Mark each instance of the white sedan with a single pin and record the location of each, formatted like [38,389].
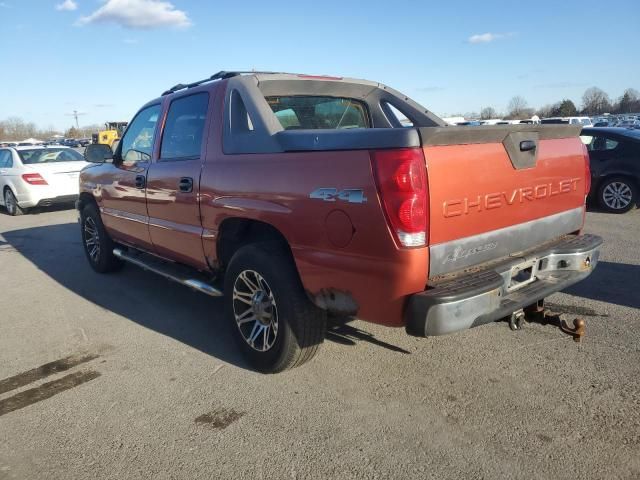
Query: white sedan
[38,177]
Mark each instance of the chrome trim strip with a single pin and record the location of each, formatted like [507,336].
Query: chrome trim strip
[134,217]
[466,252]
[160,223]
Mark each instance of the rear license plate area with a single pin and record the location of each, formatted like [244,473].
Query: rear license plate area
[522,275]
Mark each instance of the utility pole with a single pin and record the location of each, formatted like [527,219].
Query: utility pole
[75,114]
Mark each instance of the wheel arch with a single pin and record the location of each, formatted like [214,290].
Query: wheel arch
[236,232]
[615,174]
[10,187]
[85,199]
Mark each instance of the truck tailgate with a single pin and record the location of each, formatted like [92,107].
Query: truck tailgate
[497,191]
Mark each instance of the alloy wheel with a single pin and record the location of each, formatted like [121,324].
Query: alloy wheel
[255,310]
[617,195]
[91,239]
[9,202]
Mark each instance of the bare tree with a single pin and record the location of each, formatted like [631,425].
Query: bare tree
[595,101]
[72,132]
[517,107]
[488,112]
[16,129]
[546,111]
[629,102]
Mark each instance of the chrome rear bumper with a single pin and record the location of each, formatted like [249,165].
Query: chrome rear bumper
[488,295]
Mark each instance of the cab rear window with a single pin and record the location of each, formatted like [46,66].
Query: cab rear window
[315,112]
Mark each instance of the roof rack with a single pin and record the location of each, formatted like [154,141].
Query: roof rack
[221,75]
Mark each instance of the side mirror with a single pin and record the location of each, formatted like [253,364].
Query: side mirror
[98,153]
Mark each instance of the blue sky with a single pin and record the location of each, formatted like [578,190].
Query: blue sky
[107,57]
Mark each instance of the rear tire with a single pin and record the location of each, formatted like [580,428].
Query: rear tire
[273,322]
[11,204]
[97,244]
[617,194]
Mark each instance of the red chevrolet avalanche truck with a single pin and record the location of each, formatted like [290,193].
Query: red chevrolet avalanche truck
[293,196]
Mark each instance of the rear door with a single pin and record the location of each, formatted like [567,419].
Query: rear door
[608,153]
[123,201]
[173,181]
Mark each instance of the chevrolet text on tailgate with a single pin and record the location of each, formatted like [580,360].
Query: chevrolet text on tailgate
[295,196]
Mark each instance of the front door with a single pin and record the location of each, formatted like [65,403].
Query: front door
[124,205]
[173,182]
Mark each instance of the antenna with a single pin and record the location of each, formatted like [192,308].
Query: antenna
[75,114]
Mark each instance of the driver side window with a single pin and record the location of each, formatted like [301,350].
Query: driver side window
[137,143]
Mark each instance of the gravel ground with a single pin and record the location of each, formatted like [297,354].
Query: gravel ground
[145,383]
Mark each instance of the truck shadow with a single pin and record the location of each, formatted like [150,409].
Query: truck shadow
[339,331]
[611,283]
[142,297]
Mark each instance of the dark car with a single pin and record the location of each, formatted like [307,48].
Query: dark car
[72,142]
[615,167]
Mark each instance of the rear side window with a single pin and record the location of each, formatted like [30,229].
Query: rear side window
[396,117]
[598,143]
[314,112]
[5,159]
[184,128]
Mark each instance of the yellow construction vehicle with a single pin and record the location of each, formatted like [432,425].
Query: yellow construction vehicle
[111,134]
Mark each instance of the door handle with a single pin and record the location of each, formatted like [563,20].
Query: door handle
[141,181]
[527,145]
[186,184]
[3,172]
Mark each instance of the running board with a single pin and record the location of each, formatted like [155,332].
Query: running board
[165,270]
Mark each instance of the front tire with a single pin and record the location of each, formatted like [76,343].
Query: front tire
[11,204]
[97,244]
[617,194]
[273,322]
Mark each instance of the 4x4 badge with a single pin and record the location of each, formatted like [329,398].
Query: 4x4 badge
[351,195]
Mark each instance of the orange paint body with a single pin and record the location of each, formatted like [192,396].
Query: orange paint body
[337,246]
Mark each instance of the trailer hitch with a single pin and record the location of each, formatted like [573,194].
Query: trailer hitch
[577,331]
[537,313]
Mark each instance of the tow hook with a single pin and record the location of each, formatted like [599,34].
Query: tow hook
[516,321]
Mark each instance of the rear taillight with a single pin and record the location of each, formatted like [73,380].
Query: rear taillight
[587,170]
[401,176]
[34,179]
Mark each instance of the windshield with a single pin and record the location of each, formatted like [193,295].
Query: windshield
[49,155]
[309,112]
[586,121]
